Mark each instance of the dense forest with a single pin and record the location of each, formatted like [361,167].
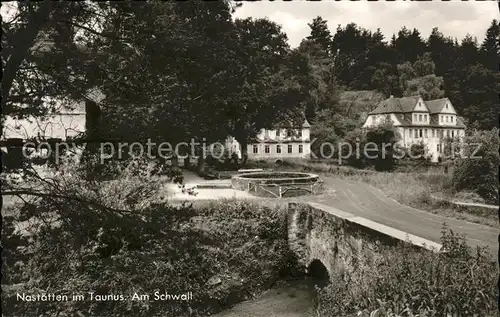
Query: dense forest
[190,70]
[467,72]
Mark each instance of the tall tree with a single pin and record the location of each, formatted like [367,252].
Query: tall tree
[469,50]
[175,68]
[267,86]
[490,48]
[324,92]
[409,45]
[350,46]
[320,33]
[480,96]
[419,79]
[44,56]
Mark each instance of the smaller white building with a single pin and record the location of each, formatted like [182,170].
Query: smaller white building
[274,144]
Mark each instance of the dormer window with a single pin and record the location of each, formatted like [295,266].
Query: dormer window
[451,118]
[446,106]
[419,117]
[446,118]
[415,117]
[300,133]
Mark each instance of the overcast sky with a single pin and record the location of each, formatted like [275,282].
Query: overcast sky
[454,19]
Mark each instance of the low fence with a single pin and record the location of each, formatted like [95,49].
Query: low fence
[285,190]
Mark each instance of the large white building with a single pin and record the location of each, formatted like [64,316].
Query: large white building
[277,144]
[418,121]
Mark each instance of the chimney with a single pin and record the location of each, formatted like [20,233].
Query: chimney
[391,96]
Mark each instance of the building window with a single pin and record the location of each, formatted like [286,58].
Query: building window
[452,133]
[410,134]
[255,149]
[420,117]
[439,148]
[278,132]
[446,106]
[266,149]
[278,149]
[420,133]
[289,133]
[425,117]
[415,117]
[451,118]
[448,133]
[301,148]
[300,133]
[289,148]
[425,133]
[433,133]
[266,133]
[446,118]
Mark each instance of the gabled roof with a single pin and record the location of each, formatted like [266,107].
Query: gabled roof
[396,105]
[95,95]
[306,124]
[403,121]
[460,123]
[436,105]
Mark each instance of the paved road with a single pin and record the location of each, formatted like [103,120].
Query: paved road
[366,201]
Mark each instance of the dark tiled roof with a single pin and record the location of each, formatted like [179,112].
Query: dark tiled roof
[460,123]
[403,121]
[396,105]
[274,141]
[436,105]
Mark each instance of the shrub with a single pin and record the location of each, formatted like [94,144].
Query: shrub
[480,173]
[410,282]
[109,240]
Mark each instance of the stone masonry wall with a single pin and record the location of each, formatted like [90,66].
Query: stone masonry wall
[338,239]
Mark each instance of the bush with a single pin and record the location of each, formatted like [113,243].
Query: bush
[480,173]
[112,238]
[410,282]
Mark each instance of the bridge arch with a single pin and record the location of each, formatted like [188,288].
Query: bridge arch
[318,273]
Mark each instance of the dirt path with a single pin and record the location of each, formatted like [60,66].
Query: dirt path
[293,299]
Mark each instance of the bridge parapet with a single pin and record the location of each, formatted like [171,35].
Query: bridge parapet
[340,240]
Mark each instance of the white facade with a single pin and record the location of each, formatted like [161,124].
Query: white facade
[419,123]
[59,126]
[277,144]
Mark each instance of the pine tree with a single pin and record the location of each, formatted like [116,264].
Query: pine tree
[490,48]
[320,33]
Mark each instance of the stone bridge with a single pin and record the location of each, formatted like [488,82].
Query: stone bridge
[327,240]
